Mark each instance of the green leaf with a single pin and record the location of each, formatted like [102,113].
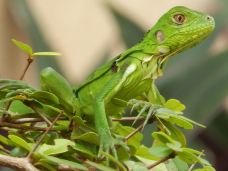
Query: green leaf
[179,120]
[204,97]
[64,162]
[136,166]
[45,97]
[90,137]
[144,152]
[25,47]
[4,140]
[18,141]
[193,122]
[174,105]
[175,146]
[85,149]
[45,165]
[176,134]
[188,157]
[206,168]
[99,166]
[160,150]
[123,153]
[61,146]
[162,137]
[134,141]
[180,164]
[46,54]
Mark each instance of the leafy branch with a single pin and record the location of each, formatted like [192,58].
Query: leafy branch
[30,55]
[46,131]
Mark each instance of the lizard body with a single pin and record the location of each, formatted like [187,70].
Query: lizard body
[132,73]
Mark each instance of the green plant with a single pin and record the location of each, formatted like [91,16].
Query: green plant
[42,133]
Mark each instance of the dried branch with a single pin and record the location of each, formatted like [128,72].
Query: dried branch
[128,118]
[172,155]
[43,135]
[41,115]
[26,120]
[20,164]
[29,61]
[22,127]
[139,128]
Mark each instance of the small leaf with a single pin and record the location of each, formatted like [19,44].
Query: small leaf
[180,121]
[90,137]
[206,168]
[175,146]
[176,134]
[193,122]
[99,166]
[175,105]
[84,149]
[61,146]
[18,141]
[134,141]
[25,47]
[4,140]
[64,162]
[188,157]
[144,152]
[160,151]
[46,54]
[136,166]
[162,137]
[180,165]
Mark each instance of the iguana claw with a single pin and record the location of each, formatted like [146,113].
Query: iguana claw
[107,145]
[144,107]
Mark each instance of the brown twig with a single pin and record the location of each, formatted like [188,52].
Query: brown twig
[26,120]
[22,164]
[41,115]
[128,118]
[43,135]
[21,127]
[172,155]
[133,132]
[29,61]
[5,150]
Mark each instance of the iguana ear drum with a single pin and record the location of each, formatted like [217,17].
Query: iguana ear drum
[160,36]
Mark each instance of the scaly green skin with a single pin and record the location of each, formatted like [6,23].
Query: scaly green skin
[132,73]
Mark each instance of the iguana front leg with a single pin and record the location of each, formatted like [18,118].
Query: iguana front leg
[154,100]
[105,94]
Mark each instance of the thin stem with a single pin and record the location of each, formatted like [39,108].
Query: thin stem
[26,120]
[29,61]
[133,132]
[21,127]
[43,136]
[5,150]
[192,166]
[127,118]
[172,155]
[41,115]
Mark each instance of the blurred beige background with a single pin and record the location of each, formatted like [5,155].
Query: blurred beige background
[82,30]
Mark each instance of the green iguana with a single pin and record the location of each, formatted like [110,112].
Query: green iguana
[132,73]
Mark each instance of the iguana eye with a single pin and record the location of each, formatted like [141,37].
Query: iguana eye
[179,18]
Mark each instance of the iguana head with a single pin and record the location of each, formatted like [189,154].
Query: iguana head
[180,28]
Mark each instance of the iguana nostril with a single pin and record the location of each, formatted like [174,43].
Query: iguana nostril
[209,18]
